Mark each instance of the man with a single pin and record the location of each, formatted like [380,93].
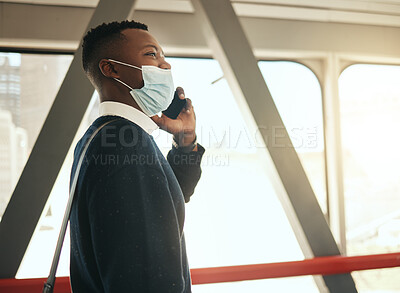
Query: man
[128,213]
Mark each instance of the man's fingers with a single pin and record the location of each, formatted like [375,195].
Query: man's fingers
[181,92]
[158,120]
[188,105]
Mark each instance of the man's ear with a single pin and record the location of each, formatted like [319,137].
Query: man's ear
[107,69]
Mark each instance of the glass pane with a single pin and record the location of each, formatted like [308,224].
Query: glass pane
[378,281]
[28,85]
[369,109]
[297,95]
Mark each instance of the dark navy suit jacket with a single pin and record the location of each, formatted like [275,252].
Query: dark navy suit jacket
[126,222]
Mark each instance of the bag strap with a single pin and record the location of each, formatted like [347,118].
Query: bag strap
[49,285]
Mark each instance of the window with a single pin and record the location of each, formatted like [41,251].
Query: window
[28,86]
[297,95]
[369,109]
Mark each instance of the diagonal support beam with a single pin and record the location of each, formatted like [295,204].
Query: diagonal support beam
[48,154]
[231,48]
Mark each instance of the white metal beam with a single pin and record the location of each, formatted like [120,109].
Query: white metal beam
[333,149]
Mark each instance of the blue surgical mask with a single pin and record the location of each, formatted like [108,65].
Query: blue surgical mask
[157,93]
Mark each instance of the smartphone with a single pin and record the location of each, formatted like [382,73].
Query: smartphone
[175,107]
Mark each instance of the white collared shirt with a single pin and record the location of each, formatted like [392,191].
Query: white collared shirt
[128,112]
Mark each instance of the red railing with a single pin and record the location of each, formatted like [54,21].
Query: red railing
[317,266]
[328,265]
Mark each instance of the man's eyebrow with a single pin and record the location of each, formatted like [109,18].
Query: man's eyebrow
[153,46]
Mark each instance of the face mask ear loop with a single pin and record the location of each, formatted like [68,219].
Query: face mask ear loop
[123,83]
[126,64]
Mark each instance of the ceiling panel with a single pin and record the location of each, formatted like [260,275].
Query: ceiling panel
[376,12]
[78,3]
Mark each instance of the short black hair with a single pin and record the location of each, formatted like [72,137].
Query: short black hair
[101,39]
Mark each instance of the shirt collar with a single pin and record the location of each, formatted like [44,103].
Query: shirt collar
[128,112]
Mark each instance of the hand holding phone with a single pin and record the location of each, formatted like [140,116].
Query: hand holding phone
[175,107]
[184,127]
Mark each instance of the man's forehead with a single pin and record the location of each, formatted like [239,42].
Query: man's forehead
[140,39]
